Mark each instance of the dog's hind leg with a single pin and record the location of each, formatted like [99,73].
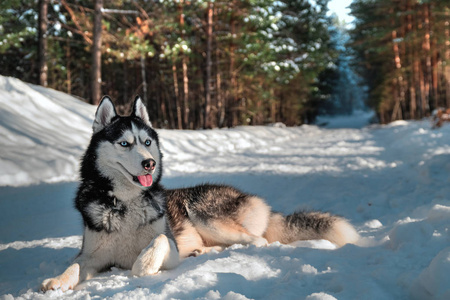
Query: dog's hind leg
[245,225]
[162,253]
[255,218]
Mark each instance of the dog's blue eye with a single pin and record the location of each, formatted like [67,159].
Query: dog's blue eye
[148,143]
[124,144]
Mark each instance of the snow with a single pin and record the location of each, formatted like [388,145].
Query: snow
[391,182]
[359,119]
[28,136]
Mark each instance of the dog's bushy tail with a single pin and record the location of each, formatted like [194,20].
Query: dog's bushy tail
[308,226]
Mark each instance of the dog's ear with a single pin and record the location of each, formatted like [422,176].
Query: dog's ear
[105,113]
[140,111]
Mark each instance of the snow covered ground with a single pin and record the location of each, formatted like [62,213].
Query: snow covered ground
[358,120]
[391,181]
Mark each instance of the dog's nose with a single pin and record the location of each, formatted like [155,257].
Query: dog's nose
[149,164]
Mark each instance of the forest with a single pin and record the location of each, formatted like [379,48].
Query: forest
[208,64]
[403,50]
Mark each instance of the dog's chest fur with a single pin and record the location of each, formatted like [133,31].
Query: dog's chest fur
[114,215]
[105,209]
[121,227]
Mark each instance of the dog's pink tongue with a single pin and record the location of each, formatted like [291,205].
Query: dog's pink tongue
[146,180]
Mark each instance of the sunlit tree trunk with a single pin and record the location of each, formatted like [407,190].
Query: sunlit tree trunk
[447,58]
[412,55]
[185,69]
[208,79]
[220,98]
[427,49]
[232,101]
[68,70]
[185,91]
[42,37]
[398,81]
[96,72]
[144,81]
[177,95]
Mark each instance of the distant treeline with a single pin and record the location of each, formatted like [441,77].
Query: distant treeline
[195,63]
[205,64]
[404,50]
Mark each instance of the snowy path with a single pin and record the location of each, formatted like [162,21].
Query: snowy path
[391,181]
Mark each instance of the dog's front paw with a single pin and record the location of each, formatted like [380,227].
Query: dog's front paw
[150,260]
[54,284]
[66,281]
[50,284]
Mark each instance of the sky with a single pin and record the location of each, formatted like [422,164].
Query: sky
[340,8]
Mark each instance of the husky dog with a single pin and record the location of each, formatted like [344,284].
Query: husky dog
[132,222]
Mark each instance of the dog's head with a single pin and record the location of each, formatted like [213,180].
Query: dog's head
[126,147]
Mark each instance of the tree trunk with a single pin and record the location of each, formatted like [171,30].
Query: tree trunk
[232,101]
[167,98]
[273,107]
[396,112]
[418,69]
[400,93]
[184,67]
[207,111]
[144,81]
[435,77]
[42,36]
[125,86]
[96,72]
[427,48]
[177,93]
[220,107]
[412,51]
[220,99]
[447,60]
[434,60]
[68,68]
[423,97]
[185,92]
[162,102]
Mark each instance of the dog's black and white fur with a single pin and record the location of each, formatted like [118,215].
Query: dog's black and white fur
[132,222]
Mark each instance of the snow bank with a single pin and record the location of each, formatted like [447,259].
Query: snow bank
[433,281]
[391,181]
[43,132]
